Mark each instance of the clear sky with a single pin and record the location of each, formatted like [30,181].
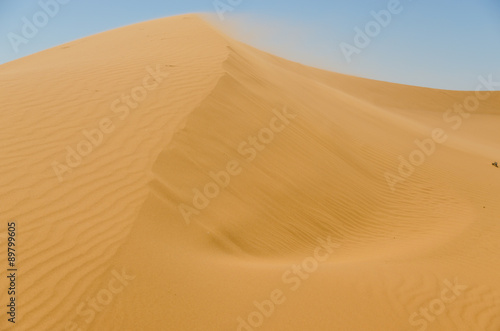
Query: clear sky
[434,43]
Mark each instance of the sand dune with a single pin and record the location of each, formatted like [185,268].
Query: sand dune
[166,177]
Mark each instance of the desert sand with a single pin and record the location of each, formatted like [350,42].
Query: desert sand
[163,176]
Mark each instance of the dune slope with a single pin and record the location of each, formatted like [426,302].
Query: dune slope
[209,172]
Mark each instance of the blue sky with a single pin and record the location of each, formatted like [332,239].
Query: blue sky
[433,43]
